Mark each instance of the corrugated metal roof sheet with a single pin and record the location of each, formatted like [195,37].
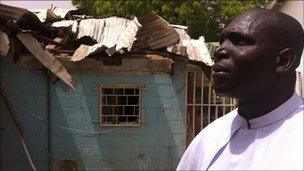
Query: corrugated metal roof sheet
[112,34]
[156,33]
[59,11]
[20,18]
[45,15]
[118,35]
[52,13]
[195,50]
[11,13]
[67,23]
[91,27]
[183,35]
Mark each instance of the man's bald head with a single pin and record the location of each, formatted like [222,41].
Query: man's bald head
[259,52]
[281,30]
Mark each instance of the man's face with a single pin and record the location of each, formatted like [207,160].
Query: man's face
[244,64]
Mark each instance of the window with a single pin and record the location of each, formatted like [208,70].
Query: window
[120,105]
[203,104]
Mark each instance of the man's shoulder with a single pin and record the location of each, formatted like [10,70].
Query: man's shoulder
[202,148]
[218,127]
[224,121]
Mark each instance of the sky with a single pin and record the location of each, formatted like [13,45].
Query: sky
[66,4]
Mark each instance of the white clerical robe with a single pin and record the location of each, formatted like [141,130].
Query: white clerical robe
[273,142]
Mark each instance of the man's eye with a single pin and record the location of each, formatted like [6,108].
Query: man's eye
[241,42]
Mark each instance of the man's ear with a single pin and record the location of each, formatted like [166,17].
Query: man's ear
[285,60]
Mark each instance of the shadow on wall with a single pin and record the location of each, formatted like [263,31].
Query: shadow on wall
[66,151]
[26,91]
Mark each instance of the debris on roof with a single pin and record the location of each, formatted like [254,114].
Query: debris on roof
[51,14]
[46,15]
[195,50]
[59,11]
[57,32]
[4,43]
[11,13]
[73,24]
[156,33]
[45,58]
[112,34]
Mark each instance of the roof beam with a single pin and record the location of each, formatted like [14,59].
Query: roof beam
[47,59]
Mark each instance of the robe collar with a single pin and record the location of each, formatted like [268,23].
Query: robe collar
[275,115]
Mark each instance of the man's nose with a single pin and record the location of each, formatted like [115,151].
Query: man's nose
[221,53]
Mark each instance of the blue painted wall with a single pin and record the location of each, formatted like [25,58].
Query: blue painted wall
[75,132]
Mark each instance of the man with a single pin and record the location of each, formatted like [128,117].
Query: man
[256,62]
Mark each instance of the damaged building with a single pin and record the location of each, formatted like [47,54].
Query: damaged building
[115,93]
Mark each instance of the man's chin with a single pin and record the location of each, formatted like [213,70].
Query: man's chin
[221,89]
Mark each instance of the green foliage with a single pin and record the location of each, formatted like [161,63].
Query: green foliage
[203,17]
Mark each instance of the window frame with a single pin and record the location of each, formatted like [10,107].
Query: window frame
[103,123]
